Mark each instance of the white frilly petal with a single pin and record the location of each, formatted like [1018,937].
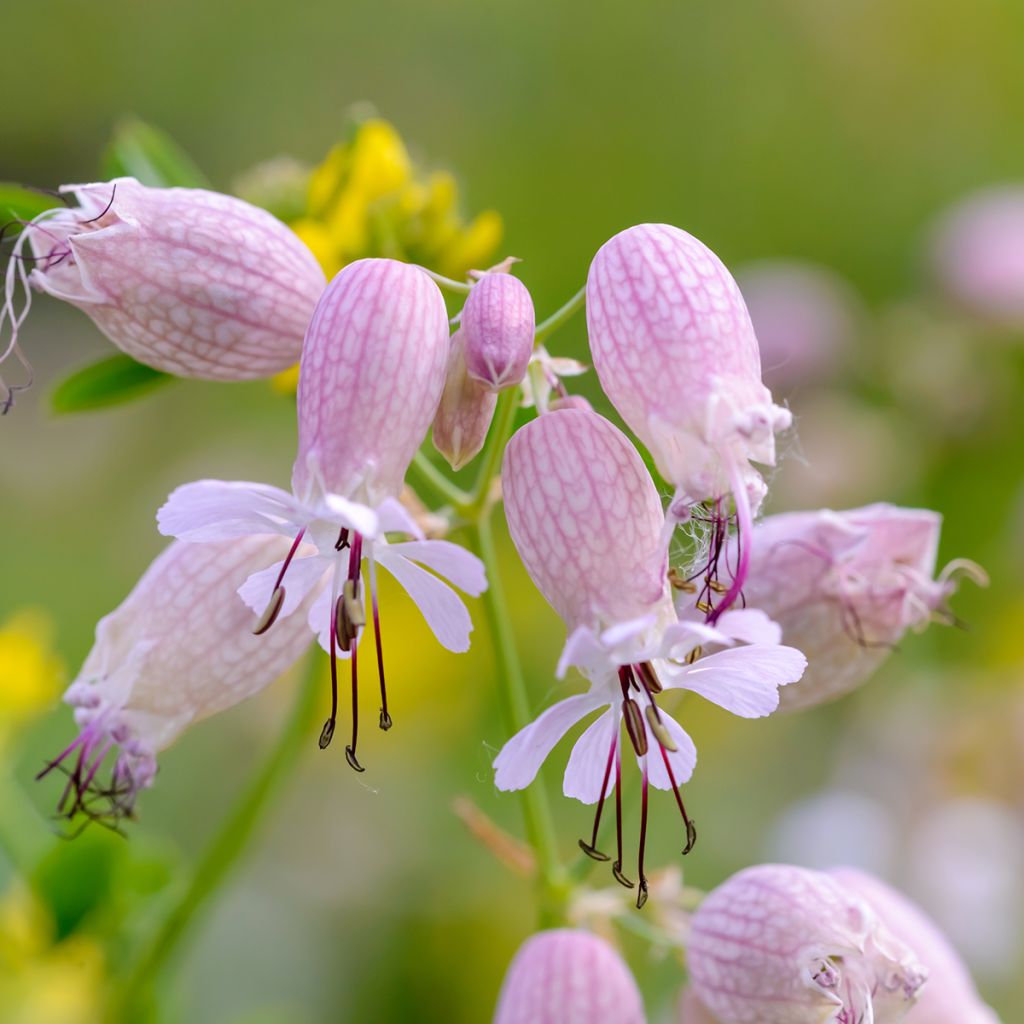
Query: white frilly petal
[589,758]
[209,510]
[454,563]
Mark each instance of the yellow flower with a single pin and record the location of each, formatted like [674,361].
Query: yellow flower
[43,980]
[30,674]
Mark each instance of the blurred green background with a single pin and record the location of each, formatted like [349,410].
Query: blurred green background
[829,133]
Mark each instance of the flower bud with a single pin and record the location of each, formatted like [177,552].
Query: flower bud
[464,415]
[567,976]
[950,996]
[845,587]
[191,282]
[498,324]
[776,944]
[178,649]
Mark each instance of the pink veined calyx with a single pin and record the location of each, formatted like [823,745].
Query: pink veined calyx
[372,370]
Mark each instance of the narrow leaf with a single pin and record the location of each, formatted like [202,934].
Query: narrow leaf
[109,382]
[141,151]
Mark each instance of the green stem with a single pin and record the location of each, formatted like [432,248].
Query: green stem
[540,829]
[429,474]
[227,846]
[446,283]
[490,464]
[560,316]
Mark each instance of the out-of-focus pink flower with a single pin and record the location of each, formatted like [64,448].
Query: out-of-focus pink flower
[565,976]
[949,997]
[178,649]
[371,376]
[191,282]
[466,410]
[846,586]
[978,254]
[805,317]
[497,324]
[587,522]
[692,1010]
[776,944]
[676,353]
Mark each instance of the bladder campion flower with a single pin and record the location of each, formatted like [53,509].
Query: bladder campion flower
[498,323]
[371,375]
[776,944]
[567,976]
[676,353]
[950,996]
[191,282]
[846,586]
[586,520]
[178,649]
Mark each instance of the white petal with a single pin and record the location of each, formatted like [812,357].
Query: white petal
[750,625]
[395,518]
[302,576]
[352,514]
[584,650]
[443,609]
[520,759]
[743,680]
[589,758]
[220,509]
[454,563]
[683,759]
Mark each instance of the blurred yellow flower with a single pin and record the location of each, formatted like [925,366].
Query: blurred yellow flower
[368,198]
[30,673]
[43,980]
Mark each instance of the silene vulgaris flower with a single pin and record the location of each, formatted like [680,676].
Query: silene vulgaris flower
[675,351]
[371,374]
[190,282]
[587,522]
[178,649]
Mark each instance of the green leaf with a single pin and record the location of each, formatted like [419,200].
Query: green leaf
[20,203]
[141,151]
[109,382]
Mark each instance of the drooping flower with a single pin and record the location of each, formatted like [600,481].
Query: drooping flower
[950,996]
[676,353]
[191,282]
[587,522]
[777,944]
[568,976]
[372,371]
[977,254]
[498,323]
[846,586]
[465,412]
[178,649]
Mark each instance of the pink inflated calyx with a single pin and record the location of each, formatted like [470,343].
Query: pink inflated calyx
[846,586]
[567,976]
[777,944]
[191,282]
[178,649]
[371,375]
[676,353]
[587,522]
[498,323]
[465,412]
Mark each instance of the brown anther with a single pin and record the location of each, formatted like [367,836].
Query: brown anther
[619,876]
[327,733]
[677,580]
[592,852]
[648,677]
[717,587]
[350,756]
[703,606]
[691,836]
[350,616]
[353,606]
[635,726]
[641,895]
[694,654]
[661,734]
[270,613]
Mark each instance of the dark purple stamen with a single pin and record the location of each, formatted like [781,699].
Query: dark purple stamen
[617,866]
[385,718]
[641,895]
[354,564]
[591,849]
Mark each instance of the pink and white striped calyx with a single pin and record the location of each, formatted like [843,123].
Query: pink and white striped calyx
[567,976]
[587,522]
[949,997]
[178,649]
[777,944]
[371,375]
[498,323]
[191,282]
[465,412]
[846,586]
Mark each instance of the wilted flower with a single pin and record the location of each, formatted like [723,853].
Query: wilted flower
[950,996]
[498,322]
[776,944]
[191,282]
[372,371]
[544,378]
[676,353]
[465,412]
[978,254]
[586,520]
[845,587]
[178,649]
[565,976]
